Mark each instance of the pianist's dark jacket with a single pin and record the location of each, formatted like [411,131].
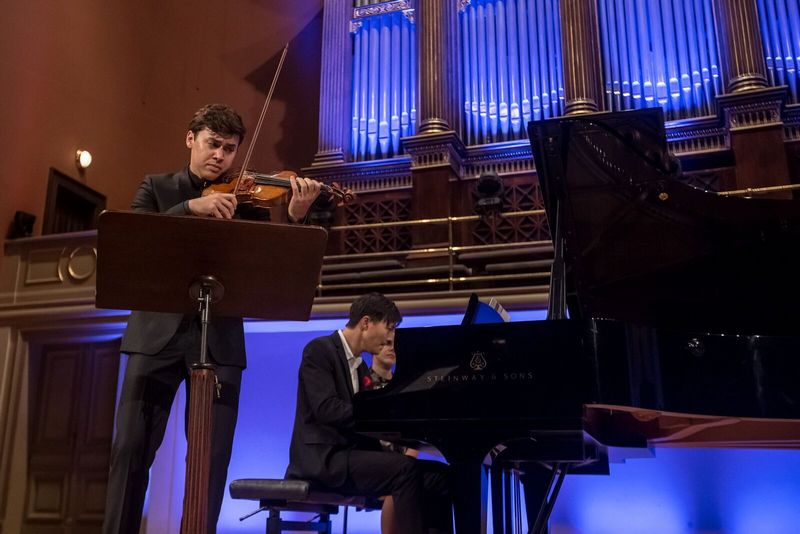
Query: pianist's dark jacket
[323,435]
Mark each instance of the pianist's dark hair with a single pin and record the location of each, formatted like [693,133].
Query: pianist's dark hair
[375,306]
[219,118]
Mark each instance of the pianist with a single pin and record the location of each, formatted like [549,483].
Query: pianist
[324,448]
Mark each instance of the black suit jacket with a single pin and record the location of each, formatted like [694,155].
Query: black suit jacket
[323,424]
[149,332]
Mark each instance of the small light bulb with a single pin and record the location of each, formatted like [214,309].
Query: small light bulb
[84,158]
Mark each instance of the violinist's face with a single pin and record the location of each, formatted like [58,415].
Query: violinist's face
[211,153]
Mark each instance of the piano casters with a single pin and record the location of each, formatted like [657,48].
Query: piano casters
[206,290]
[541,490]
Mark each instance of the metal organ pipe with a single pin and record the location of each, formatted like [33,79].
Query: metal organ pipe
[384,75]
[660,52]
[511,67]
[780,35]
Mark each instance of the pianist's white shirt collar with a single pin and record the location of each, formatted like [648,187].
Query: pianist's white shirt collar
[352,361]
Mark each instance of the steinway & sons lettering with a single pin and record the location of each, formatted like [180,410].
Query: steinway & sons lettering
[523,376]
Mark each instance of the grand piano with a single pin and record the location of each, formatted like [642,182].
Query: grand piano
[673,320]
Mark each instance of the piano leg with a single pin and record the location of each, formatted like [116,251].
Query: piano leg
[541,486]
[469,497]
[506,508]
[498,490]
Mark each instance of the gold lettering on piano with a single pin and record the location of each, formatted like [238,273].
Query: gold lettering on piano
[459,378]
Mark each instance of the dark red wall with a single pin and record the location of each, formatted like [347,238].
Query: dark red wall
[122,79]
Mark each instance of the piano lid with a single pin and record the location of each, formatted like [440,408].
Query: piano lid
[644,247]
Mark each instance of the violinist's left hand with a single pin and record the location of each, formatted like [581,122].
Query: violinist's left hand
[304,192]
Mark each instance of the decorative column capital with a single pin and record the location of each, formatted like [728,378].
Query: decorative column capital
[384,8]
[754,109]
[436,150]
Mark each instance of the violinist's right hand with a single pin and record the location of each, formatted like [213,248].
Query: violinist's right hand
[219,205]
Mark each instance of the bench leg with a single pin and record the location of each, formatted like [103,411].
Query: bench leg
[274,522]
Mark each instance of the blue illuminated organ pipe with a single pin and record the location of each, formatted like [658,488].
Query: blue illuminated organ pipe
[511,67]
[374,89]
[673,85]
[514,97]
[632,71]
[556,55]
[653,53]
[483,96]
[780,31]
[659,53]
[358,147]
[503,78]
[491,58]
[384,79]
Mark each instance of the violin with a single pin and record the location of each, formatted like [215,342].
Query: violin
[265,190]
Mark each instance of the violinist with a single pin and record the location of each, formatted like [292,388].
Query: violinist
[160,345]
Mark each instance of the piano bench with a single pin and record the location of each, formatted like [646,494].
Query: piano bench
[279,495]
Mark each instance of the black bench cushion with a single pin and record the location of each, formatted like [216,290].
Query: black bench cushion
[292,493]
[257,489]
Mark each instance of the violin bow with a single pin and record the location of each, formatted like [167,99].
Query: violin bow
[261,118]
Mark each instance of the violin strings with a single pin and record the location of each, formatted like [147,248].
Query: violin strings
[261,118]
[268,179]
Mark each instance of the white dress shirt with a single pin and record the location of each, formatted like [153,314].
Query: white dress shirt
[352,361]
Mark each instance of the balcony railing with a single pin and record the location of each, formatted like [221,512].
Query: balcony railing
[521,269]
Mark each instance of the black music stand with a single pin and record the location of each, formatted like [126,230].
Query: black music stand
[164,263]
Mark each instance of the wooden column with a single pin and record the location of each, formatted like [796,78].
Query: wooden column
[740,42]
[437,45]
[581,59]
[334,102]
[436,150]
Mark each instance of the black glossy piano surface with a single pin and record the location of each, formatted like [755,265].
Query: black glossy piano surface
[680,301]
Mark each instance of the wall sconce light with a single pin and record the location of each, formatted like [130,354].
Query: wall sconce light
[83,158]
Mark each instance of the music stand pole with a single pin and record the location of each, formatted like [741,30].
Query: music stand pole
[202,386]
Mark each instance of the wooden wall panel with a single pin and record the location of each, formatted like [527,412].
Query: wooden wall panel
[73,393]
[760,158]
